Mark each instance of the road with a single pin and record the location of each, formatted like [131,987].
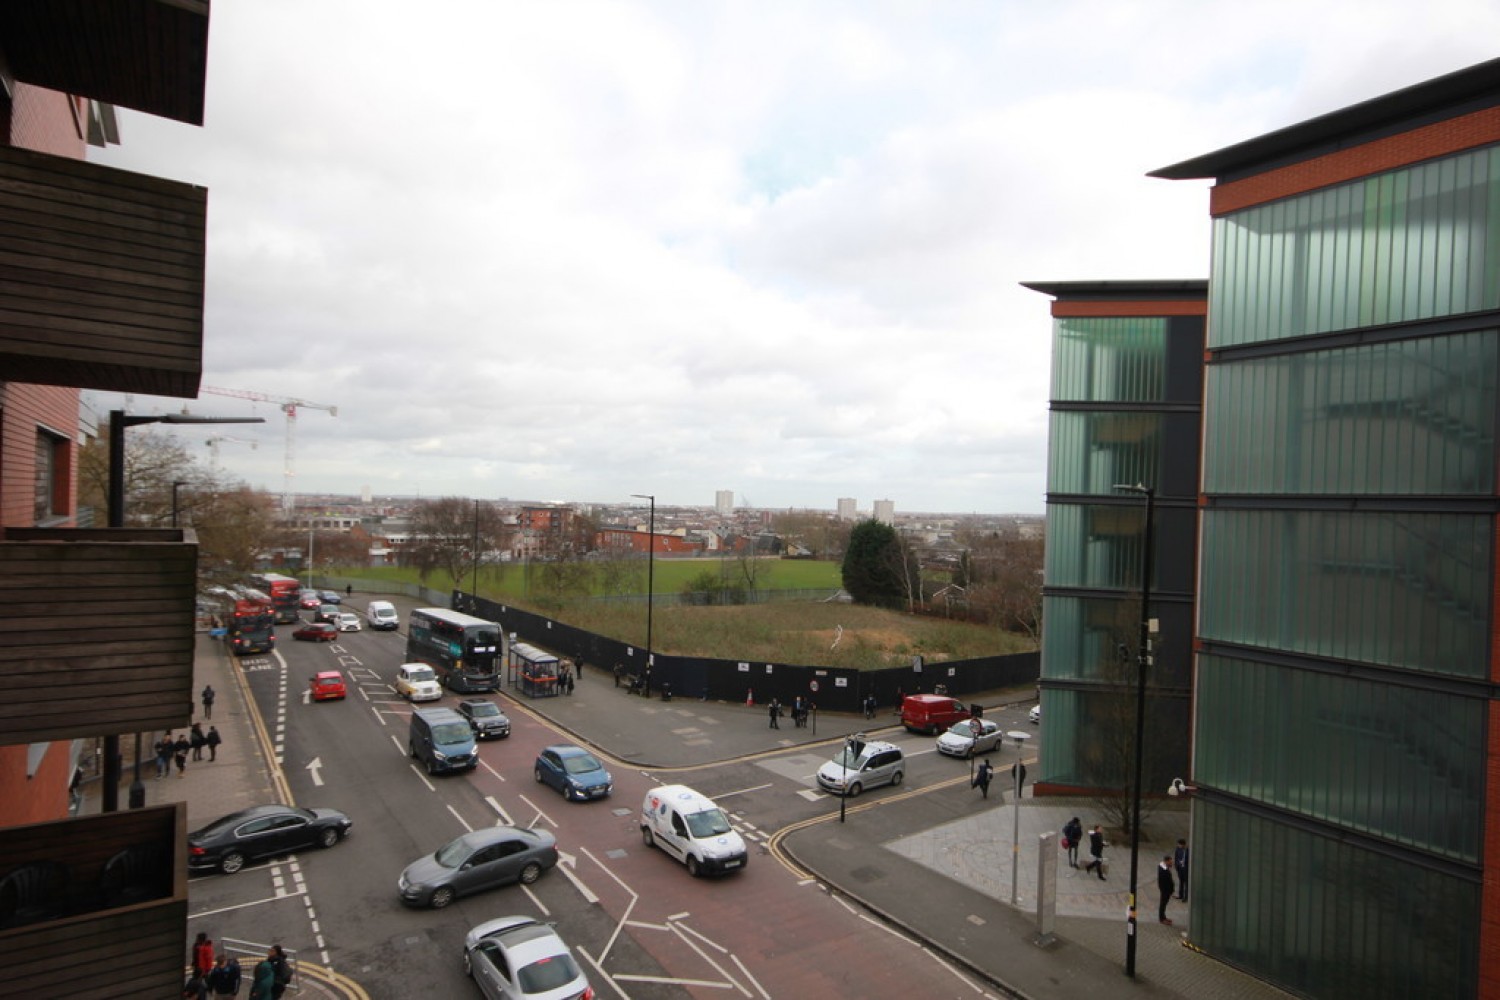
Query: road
[639,924]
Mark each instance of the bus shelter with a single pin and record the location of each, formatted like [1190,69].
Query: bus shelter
[533,670]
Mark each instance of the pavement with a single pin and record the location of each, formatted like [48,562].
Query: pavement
[938,873]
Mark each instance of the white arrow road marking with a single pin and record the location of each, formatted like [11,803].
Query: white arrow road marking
[566,863]
[315,766]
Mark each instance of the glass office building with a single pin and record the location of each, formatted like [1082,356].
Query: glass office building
[1345,753]
[1127,383]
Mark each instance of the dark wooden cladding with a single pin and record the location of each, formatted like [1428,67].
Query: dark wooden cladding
[107,943]
[96,631]
[150,55]
[101,276]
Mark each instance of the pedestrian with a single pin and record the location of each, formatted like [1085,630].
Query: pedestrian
[900,698]
[1096,852]
[224,977]
[197,740]
[208,701]
[196,988]
[799,712]
[618,671]
[281,971]
[1072,832]
[982,777]
[1180,862]
[202,958]
[180,753]
[164,750]
[263,980]
[348,590]
[775,714]
[579,662]
[1164,883]
[213,740]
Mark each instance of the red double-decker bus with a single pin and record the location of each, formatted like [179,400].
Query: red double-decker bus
[284,592]
[251,627]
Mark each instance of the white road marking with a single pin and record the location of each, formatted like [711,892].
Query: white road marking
[566,864]
[316,767]
[462,822]
[742,791]
[499,810]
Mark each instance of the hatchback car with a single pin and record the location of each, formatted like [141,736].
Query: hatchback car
[484,859]
[418,682]
[348,622]
[518,958]
[326,613]
[970,737]
[316,632]
[309,601]
[330,597]
[862,764]
[574,772]
[327,685]
[228,843]
[485,718]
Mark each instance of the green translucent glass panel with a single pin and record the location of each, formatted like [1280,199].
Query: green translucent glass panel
[1094,546]
[1399,763]
[1091,738]
[1412,244]
[1410,417]
[1397,588]
[1115,359]
[1329,919]
[1090,452]
[1081,636]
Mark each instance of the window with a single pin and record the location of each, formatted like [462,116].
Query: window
[52,468]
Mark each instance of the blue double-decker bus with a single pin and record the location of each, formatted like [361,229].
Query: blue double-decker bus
[468,653]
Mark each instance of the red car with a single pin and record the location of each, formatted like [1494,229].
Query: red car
[310,601]
[317,632]
[328,684]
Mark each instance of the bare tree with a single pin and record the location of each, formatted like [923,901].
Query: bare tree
[447,531]
[1004,573]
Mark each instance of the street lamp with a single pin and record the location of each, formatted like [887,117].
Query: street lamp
[1018,771]
[650,584]
[1142,659]
[118,421]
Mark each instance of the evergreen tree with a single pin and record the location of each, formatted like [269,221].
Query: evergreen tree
[872,565]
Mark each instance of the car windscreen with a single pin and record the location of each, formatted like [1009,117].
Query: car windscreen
[453,855]
[484,710]
[581,764]
[422,675]
[446,733]
[548,974]
[709,823]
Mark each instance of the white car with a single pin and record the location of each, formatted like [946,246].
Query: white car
[1035,715]
[969,737]
[418,682]
[348,622]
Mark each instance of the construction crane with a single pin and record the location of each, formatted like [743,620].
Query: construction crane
[214,442]
[288,407]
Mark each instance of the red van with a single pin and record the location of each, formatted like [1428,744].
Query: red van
[931,713]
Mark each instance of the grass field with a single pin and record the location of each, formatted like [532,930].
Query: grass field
[811,633]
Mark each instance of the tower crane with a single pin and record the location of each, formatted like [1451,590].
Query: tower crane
[214,442]
[289,407]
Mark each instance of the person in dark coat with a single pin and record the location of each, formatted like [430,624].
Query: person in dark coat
[198,741]
[208,701]
[164,750]
[224,977]
[1073,832]
[1180,863]
[1166,885]
[212,741]
[775,711]
[180,753]
[262,980]
[281,972]
[1096,852]
[982,777]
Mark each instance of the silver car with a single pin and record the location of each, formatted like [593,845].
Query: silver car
[484,859]
[969,737]
[518,958]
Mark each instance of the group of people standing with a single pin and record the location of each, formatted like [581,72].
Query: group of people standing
[1171,874]
[170,749]
[801,708]
[220,975]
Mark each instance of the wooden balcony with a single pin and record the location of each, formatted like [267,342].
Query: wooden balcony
[96,631]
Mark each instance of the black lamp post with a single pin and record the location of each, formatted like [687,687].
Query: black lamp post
[177,484]
[474,578]
[650,584]
[118,421]
[1142,659]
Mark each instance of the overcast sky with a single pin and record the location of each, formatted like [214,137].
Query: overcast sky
[573,251]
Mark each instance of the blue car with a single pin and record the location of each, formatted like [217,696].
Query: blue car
[574,771]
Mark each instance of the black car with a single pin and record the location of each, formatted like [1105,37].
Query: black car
[485,718]
[228,843]
[327,613]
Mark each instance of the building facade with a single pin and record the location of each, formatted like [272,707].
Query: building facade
[1127,379]
[1346,753]
[885,511]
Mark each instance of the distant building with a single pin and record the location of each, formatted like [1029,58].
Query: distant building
[848,509]
[885,511]
[724,501]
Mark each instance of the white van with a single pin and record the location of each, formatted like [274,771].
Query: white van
[382,615]
[690,828]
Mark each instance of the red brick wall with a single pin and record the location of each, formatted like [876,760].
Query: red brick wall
[48,122]
[41,798]
[1470,131]
[24,408]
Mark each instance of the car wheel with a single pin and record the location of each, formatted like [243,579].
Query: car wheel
[530,873]
[854,790]
[468,965]
[538,773]
[431,768]
[646,837]
[328,837]
[692,866]
[441,897]
[411,748]
[897,778]
[231,862]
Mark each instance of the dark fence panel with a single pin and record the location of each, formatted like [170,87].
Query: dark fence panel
[831,689]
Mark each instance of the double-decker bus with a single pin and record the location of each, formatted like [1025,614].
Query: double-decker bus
[284,593]
[251,627]
[468,653]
